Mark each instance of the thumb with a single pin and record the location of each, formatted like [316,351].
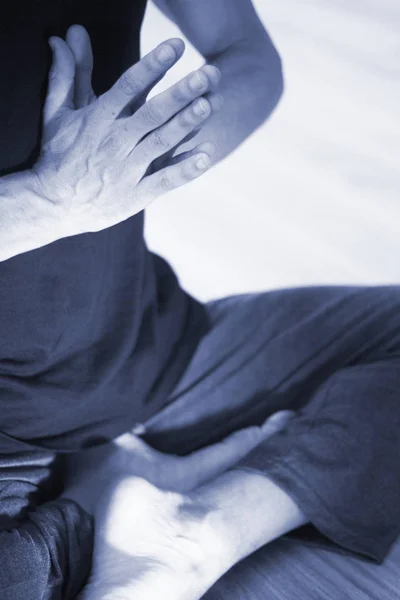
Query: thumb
[277,421]
[79,42]
[133,443]
[207,463]
[60,91]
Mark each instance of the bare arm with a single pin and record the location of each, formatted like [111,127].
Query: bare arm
[248,511]
[27,221]
[230,36]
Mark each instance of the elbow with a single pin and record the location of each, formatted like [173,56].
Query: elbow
[273,82]
[267,79]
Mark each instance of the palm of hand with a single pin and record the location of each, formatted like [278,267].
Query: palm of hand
[149,540]
[150,535]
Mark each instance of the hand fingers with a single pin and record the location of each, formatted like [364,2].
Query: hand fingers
[173,177]
[168,158]
[277,421]
[164,106]
[79,41]
[138,102]
[130,441]
[138,78]
[60,91]
[207,463]
[207,147]
[163,139]
[140,458]
[212,73]
[188,138]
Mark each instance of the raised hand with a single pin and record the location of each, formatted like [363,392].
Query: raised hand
[96,155]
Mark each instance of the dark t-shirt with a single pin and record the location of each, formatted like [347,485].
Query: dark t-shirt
[94,329]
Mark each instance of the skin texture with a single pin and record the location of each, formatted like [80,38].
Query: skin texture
[93,166]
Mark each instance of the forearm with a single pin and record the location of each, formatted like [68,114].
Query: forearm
[198,536]
[251,86]
[246,510]
[27,221]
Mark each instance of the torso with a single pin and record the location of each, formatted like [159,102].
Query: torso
[95,329]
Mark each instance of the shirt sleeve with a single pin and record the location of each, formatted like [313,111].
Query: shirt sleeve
[46,547]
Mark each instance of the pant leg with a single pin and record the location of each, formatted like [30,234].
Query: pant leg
[310,349]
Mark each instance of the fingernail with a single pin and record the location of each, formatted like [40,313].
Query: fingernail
[198,82]
[281,415]
[166,54]
[138,429]
[200,107]
[203,162]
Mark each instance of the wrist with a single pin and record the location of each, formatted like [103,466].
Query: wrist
[27,220]
[216,538]
[54,213]
[220,497]
[248,511]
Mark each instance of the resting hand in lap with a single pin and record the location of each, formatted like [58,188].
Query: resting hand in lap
[168,522]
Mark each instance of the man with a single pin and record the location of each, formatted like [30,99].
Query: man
[106,338]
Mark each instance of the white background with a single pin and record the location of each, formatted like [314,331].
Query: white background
[313,197]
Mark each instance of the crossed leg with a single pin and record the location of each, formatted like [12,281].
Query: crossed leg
[333,355]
